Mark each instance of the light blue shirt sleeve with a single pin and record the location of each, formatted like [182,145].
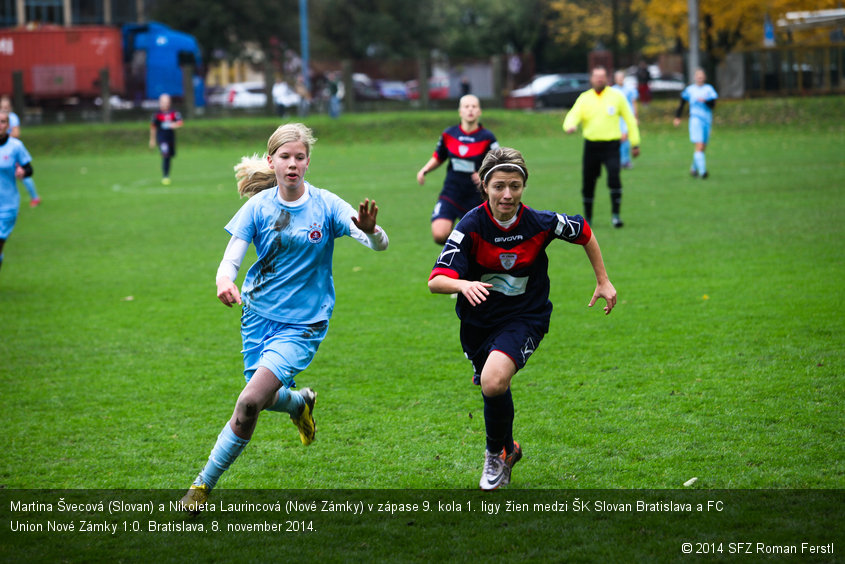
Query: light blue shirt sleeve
[242,225]
[342,216]
[23,155]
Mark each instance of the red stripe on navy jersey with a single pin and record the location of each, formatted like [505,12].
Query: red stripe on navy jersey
[445,272]
[161,117]
[489,255]
[465,150]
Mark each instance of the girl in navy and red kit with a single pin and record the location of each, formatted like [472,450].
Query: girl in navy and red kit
[464,146]
[495,260]
[163,133]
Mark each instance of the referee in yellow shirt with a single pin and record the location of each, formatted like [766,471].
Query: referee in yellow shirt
[598,111]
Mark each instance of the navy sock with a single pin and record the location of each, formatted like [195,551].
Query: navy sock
[498,421]
[165,166]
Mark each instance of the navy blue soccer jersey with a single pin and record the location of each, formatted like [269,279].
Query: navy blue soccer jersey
[163,123]
[513,260]
[465,152]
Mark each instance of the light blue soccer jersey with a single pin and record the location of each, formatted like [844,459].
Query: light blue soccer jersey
[291,282]
[14,121]
[12,153]
[630,94]
[697,96]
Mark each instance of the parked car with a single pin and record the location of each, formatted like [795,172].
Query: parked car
[438,88]
[658,82]
[549,91]
[285,98]
[215,95]
[245,95]
[252,95]
[115,102]
[393,89]
[365,88]
[563,92]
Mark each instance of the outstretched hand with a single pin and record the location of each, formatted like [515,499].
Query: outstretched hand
[227,292]
[366,220]
[608,292]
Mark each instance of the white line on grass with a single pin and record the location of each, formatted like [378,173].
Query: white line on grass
[151,188]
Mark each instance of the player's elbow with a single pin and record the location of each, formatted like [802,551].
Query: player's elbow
[435,285]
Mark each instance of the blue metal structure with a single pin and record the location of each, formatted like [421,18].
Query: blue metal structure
[153,54]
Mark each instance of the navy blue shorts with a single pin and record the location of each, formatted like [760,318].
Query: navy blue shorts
[517,338]
[167,149]
[451,205]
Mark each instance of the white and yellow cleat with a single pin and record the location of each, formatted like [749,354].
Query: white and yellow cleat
[305,421]
[196,498]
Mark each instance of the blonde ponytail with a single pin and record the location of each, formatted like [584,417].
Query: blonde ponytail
[254,175]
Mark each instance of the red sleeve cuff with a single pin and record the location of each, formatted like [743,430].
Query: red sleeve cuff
[585,235]
[445,272]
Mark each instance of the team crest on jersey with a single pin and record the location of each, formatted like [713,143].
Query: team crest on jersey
[315,235]
[463,150]
[507,260]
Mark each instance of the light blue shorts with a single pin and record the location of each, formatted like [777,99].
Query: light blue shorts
[699,130]
[285,349]
[7,222]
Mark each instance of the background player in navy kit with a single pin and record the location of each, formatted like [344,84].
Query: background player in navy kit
[495,260]
[163,134]
[465,145]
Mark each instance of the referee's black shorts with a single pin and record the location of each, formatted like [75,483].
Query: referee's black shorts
[596,154]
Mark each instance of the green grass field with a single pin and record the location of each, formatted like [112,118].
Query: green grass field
[723,360]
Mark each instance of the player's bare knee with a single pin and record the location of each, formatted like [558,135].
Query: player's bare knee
[494,384]
[248,406]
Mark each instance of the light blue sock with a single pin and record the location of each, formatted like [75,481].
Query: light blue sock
[288,402]
[624,152]
[30,187]
[225,451]
[700,163]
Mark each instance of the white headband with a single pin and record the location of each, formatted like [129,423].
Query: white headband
[486,176]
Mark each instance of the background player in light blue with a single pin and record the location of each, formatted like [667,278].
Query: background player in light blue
[288,294]
[632,96]
[702,99]
[15,131]
[15,162]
